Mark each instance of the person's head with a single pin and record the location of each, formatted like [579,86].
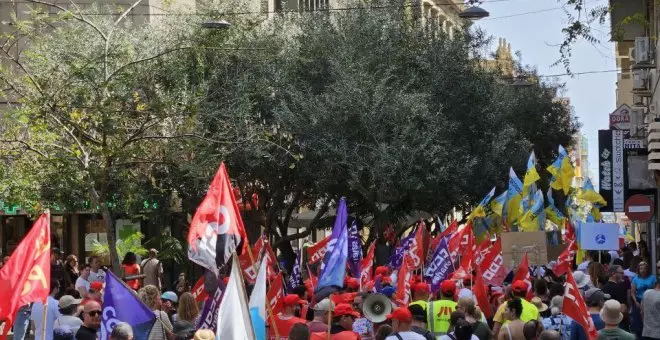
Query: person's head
[72,261]
[129,259]
[301,291]
[513,309]
[169,301]
[463,329]
[532,329]
[55,255]
[84,271]
[401,319]
[290,303]
[204,334]
[358,301]
[150,295]
[540,287]
[595,298]
[188,309]
[615,273]
[467,306]
[418,313]
[595,270]
[344,316]
[383,332]
[153,253]
[556,305]
[92,314]
[454,317]
[68,305]
[644,269]
[448,289]
[611,313]
[321,309]
[63,333]
[421,291]
[95,263]
[299,331]
[122,331]
[519,289]
[549,335]
[556,289]
[55,287]
[352,285]
[94,294]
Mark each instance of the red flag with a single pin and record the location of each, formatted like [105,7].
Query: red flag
[217,216]
[569,235]
[367,264]
[433,244]
[250,270]
[269,255]
[316,252]
[26,276]
[275,295]
[575,308]
[416,251]
[403,281]
[453,227]
[523,274]
[492,265]
[465,269]
[460,242]
[480,293]
[198,291]
[483,250]
[565,260]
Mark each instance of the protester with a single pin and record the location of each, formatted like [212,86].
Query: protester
[640,284]
[71,268]
[286,319]
[153,270]
[549,335]
[185,320]
[419,324]
[558,321]
[612,316]
[162,329]
[459,328]
[440,310]
[651,310]
[616,288]
[541,306]
[96,273]
[528,310]
[583,281]
[37,310]
[82,282]
[57,271]
[299,331]
[341,327]
[401,319]
[320,322]
[21,326]
[474,316]
[532,330]
[131,268]
[383,332]
[182,285]
[541,291]
[91,321]
[169,301]
[122,331]
[590,256]
[69,316]
[362,325]
[594,299]
[513,330]
[420,294]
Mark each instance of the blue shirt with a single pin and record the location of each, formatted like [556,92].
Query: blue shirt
[642,285]
[577,332]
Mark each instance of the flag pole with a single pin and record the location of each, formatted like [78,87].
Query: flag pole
[44,314]
[329,319]
[268,308]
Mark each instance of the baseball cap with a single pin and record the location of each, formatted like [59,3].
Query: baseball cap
[170,296]
[293,299]
[595,295]
[324,305]
[401,314]
[418,312]
[96,285]
[382,270]
[448,287]
[421,287]
[352,283]
[519,286]
[68,301]
[345,309]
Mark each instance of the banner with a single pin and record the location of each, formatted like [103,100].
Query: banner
[416,252]
[316,252]
[367,265]
[612,164]
[120,304]
[354,250]
[198,291]
[234,321]
[403,282]
[459,242]
[295,279]
[481,293]
[565,260]
[275,295]
[440,267]
[397,258]
[598,236]
[209,317]
[575,308]
[333,268]
[492,265]
[249,271]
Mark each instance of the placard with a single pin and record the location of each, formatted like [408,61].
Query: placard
[516,244]
[598,236]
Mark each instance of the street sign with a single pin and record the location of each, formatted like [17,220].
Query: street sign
[639,208]
[612,165]
[620,118]
[633,144]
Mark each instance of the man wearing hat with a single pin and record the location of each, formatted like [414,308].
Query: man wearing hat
[420,294]
[152,269]
[419,318]
[168,306]
[519,289]
[320,322]
[343,317]
[68,308]
[612,316]
[439,311]
[595,299]
[286,319]
[402,325]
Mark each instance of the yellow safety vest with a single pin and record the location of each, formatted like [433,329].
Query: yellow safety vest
[422,303]
[529,312]
[439,313]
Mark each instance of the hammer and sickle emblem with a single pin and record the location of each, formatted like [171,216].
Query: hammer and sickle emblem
[36,274]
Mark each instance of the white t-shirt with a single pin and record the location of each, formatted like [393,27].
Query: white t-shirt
[409,335]
[70,321]
[446,337]
[98,276]
[583,266]
[81,282]
[52,315]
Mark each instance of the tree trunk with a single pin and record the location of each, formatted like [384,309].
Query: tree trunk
[110,229]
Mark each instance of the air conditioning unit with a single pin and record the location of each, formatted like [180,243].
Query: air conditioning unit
[642,53]
[641,82]
[637,128]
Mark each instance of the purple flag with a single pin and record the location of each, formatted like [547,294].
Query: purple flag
[354,250]
[295,278]
[440,266]
[209,317]
[333,268]
[397,257]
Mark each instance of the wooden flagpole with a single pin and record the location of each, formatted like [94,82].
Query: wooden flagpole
[268,307]
[44,314]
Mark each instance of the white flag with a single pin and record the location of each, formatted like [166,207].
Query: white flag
[234,321]
[257,305]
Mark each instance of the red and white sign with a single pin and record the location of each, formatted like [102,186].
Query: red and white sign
[639,208]
[620,118]
[198,291]
[317,251]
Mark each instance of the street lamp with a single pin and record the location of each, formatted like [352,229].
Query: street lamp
[474,13]
[216,24]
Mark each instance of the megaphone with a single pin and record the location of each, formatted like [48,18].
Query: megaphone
[376,307]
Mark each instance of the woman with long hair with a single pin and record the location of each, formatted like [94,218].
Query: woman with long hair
[473,316]
[71,268]
[162,328]
[131,268]
[187,315]
[640,284]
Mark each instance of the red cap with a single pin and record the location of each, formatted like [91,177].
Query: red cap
[96,285]
[401,314]
[421,287]
[353,283]
[292,300]
[448,287]
[519,286]
[345,309]
[343,298]
[382,270]
[386,280]
[415,279]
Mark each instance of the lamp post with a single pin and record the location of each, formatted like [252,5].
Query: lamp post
[474,13]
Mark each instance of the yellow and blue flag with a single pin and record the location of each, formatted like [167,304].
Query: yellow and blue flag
[531,176]
[552,213]
[534,218]
[590,194]
[562,172]
[513,198]
[481,209]
[497,205]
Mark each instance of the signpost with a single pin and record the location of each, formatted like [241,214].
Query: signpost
[620,119]
[639,208]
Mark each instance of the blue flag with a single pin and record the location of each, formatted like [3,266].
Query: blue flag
[120,304]
[295,279]
[354,250]
[333,267]
[440,267]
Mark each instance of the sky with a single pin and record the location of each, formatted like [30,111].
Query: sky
[533,27]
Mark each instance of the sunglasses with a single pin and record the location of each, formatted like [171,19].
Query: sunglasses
[94,313]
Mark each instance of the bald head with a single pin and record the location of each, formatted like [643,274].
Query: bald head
[92,315]
[549,335]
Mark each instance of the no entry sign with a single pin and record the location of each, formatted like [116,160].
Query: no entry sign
[639,208]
